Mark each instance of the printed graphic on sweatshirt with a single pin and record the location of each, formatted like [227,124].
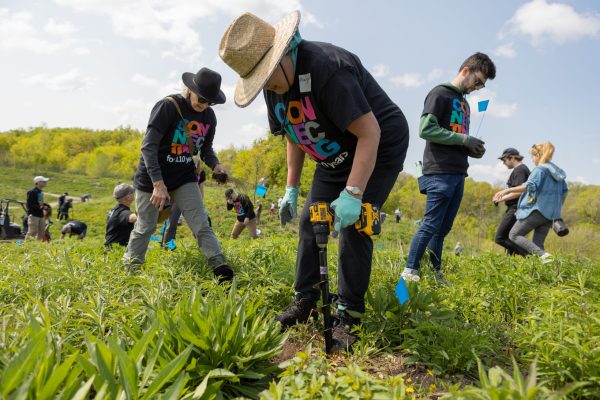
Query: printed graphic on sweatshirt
[180,152]
[459,119]
[301,125]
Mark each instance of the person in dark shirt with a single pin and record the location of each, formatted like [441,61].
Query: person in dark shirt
[244,209]
[61,201]
[73,228]
[519,175]
[36,224]
[445,127]
[64,210]
[329,107]
[120,219]
[180,126]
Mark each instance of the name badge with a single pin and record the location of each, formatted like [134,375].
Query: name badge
[304,83]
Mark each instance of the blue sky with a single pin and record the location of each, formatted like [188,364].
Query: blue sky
[104,63]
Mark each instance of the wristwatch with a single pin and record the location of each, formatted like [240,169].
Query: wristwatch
[354,190]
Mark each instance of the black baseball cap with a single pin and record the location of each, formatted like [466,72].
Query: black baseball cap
[510,152]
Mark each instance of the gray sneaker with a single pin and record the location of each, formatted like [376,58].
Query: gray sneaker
[410,274]
[439,277]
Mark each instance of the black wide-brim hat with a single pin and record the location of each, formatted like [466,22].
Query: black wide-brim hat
[206,83]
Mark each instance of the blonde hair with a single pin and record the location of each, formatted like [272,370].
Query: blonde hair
[544,152]
[186,92]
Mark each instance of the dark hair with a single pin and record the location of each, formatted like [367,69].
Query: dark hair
[480,62]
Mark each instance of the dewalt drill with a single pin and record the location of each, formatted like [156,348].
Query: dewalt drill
[322,219]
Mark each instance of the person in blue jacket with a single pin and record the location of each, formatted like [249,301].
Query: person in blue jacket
[540,203]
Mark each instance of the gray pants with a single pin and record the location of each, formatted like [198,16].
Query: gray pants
[540,226]
[190,202]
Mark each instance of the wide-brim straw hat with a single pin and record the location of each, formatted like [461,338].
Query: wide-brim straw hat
[253,48]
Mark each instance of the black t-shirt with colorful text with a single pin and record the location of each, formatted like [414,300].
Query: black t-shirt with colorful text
[118,227]
[243,207]
[174,156]
[452,111]
[517,177]
[332,89]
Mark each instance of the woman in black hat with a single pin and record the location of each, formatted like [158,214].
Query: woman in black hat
[180,126]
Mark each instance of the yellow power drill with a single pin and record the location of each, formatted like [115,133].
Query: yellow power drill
[322,219]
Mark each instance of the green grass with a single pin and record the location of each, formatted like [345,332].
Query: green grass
[75,325]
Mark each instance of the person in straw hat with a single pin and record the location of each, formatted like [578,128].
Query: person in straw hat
[327,105]
[180,126]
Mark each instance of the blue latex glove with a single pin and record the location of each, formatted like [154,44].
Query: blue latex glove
[347,210]
[289,205]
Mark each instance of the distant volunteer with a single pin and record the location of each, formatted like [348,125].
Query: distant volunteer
[180,126]
[329,107]
[540,203]
[120,218]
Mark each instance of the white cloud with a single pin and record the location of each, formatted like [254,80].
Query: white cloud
[177,22]
[59,28]
[17,31]
[582,180]
[69,81]
[506,50]
[540,21]
[380,70]
[409,80]
[416,79]
[82,51]
[495,108]
[144,80]
[496,174]
[130,112]
[596,160]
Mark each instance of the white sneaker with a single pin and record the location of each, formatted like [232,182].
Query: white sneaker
[258,231]
[547,258]
[410,274]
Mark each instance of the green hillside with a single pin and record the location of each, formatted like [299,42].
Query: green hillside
[75,325]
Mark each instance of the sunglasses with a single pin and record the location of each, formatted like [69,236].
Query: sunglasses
[202,100]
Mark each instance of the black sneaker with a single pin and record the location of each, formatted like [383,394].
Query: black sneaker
[343,326]
[299,312]
[224,273]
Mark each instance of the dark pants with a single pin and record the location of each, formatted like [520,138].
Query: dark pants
[444,194]
[355,249]
[506,224]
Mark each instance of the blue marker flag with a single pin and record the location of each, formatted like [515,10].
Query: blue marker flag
[482,105]
[171,244]
[155,238]
[402,291]
[261,190]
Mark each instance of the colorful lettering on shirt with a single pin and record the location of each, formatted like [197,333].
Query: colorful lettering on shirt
[301,126]
[179,145]
[459,119]
[239,210]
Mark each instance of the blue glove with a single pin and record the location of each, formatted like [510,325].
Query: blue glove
[347,210]
[289,205]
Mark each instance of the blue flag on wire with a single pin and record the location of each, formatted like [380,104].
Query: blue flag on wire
[261,190]
[402,291]
[482,105]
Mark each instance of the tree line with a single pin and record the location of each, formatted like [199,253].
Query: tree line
[115,153]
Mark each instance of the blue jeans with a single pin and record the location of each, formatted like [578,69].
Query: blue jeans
[444,194]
